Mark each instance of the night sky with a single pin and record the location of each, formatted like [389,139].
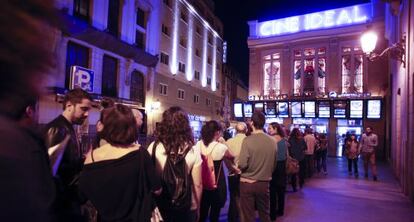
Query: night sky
[235,13]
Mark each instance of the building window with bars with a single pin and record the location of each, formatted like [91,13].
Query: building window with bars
[181,67]
[141,28]
[181,94]
[271,70]
[352,64]
[164,58]
[165,30]
[196,98]
[196,75]
[109,76]
[163,89]
[81,9]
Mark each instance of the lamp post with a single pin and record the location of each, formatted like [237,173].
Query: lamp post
[396,50]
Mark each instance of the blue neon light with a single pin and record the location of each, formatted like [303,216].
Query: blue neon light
[356,14]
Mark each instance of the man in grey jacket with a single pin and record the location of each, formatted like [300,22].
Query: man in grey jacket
[257,161]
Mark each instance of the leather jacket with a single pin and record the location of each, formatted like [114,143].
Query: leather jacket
[71,163]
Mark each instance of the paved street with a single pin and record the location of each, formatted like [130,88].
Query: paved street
[338,197]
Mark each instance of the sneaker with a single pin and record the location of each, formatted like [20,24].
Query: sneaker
[375,178]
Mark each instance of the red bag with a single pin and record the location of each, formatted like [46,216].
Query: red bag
[207,171]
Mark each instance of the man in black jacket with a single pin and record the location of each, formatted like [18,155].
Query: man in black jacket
[76,106]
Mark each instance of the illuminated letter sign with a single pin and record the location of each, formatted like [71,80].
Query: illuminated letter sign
[319,20]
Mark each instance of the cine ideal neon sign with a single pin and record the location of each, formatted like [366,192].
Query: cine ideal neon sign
[356,14]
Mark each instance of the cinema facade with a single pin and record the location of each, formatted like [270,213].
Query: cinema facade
[310,71]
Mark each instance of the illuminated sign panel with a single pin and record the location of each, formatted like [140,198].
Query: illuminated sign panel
[310,109]
[374,109]
[356,14]
[324,109]
[356,108]
[238,110]
[248,110]
[283,109]
[296,109]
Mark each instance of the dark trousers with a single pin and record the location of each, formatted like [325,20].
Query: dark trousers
[355,163]
[321,160]
[254,196]
[234,207]
[210,205]
[310,165]
[277,190]
[301,174]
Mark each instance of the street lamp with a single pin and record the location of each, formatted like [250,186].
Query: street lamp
[369,41]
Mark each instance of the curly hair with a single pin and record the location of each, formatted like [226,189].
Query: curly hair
[174,131]
[209,130]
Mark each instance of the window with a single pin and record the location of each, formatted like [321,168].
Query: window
[137,90]
[109,76]
[210,39]
[76,55]
[196,98]
[140,40]
[209,60]
[163,89]
[271,70]
[181,94]
[113,17]
[197,52]
[196,75]
[164,58]
[209,81]
[198,30]
[165,30]
[181,67]
[217,85]
[142,18]
[352,70]
[208,102]
[167,3]
[141,28]
[183,42]
[184,15]
[81,9]
[309,65]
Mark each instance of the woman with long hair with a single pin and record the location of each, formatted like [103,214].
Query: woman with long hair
[278,182]
[213,199]
[174,139]
[296,151]
[118,177]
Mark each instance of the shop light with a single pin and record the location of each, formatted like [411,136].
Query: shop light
[396,50]
[204,70]
[155,105]
[214,65]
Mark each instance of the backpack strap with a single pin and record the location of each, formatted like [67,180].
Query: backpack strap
[153,151]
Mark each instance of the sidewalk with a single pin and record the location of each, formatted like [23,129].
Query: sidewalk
[338,197]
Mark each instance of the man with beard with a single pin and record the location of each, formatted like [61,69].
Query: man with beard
[76,106]
[369,144]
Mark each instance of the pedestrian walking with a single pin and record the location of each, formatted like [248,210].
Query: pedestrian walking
[257,162]
[311,144]
[234,145]
[321,154]
[278,182]
[296,150]
[352,150]
[369,144]
[178,163]
[125,195]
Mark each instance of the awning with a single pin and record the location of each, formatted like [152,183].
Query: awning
[81,30]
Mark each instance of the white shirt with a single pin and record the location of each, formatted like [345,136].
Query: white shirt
[193,157]
[310,141]
[216,149]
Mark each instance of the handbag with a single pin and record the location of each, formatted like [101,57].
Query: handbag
[292,165]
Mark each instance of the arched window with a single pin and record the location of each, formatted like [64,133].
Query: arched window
[137,90]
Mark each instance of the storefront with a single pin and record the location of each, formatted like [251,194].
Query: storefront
[312,71]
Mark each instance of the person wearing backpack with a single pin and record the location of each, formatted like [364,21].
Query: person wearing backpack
[178,164]
[214,181]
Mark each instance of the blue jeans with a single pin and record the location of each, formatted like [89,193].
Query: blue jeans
[321,160]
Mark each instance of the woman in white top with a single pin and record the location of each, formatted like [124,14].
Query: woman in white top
[213,200]
[174,136]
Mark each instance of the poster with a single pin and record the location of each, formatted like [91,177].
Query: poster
[356,109]
[374,109]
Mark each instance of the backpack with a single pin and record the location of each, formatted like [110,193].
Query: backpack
[176,181]
[207,171]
